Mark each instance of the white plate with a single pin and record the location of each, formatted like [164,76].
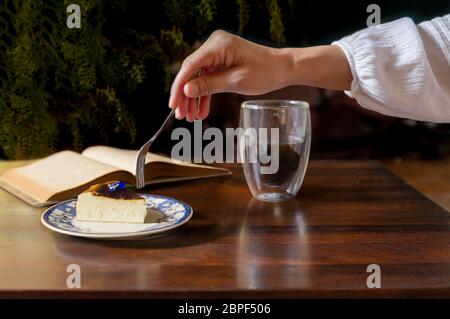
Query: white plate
[164,214]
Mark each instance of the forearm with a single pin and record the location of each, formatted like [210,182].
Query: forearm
[321,66]
[236,65]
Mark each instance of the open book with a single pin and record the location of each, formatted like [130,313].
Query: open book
[66,174]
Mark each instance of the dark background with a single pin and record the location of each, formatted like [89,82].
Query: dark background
[341,128]
[80,116]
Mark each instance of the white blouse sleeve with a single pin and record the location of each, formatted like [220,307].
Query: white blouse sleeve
[400,69]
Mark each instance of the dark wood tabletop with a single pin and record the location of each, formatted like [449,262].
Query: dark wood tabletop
[347,215]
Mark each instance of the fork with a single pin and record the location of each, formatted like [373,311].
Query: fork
[140,163]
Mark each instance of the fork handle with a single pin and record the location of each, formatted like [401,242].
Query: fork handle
[163,125]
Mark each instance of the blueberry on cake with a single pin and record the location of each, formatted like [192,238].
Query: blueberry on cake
[111,202]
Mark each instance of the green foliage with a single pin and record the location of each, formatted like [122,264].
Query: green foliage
[276,24]
[27,127]
[62,87]
[191,14]
[243,14]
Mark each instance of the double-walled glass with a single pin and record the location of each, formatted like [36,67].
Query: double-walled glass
[274,147]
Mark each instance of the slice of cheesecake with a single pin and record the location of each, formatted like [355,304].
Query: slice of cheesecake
[111,202]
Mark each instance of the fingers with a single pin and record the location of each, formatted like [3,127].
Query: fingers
[194,108]
[211,58]
[202,58]
[204,86]
[225,81]
[192,111]
[182,108]
[204,106]
[198,108]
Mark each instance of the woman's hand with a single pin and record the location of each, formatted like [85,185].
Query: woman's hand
[228,63]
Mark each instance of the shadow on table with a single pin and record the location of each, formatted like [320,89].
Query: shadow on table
[200,230]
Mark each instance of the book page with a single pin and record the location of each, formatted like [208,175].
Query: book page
[66,174]
[56,173]
[122,158]
[126,159]
[117,157]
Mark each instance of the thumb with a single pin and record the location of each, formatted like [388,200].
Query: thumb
[209,84]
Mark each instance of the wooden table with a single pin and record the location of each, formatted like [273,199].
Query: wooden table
[347,215]
[430,177]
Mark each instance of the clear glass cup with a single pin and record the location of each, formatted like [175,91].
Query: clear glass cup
[274,147]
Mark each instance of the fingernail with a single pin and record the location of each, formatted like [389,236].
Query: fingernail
[177,114]
[192,90]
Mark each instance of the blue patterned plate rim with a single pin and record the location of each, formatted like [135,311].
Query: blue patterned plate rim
[188,212]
